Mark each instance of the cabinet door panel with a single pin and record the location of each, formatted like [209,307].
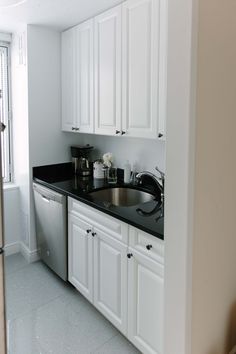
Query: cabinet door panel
[141,33]
[110,279]
[68,71]
[108,72]
[80,256]
[84,59]
[145,304]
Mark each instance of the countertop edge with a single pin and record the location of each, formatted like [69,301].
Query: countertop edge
[98,207]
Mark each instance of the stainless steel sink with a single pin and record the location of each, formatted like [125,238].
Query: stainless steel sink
[123,197]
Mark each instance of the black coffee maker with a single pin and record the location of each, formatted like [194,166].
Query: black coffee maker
[80,161]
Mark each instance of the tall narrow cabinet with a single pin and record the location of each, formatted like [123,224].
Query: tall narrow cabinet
[108,72]
[143,76]
[78,78]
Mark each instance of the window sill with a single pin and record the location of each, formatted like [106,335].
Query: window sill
[9,186]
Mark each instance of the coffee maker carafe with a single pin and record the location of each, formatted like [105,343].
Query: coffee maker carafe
[80,161]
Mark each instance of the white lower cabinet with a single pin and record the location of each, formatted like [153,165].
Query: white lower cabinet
[110,279]
[145,303]
[118,275]
[80,247]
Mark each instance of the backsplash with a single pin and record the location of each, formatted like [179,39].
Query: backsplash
[147,153]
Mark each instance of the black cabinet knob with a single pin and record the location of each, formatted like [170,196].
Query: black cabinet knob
[117,132]
[160,135]
[123,132]
[94,234]
[129,255]
[88,231]
[148,247]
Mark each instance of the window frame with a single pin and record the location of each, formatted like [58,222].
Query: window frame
[8,178]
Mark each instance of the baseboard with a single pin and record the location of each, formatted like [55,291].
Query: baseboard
[12,248]
[30,256]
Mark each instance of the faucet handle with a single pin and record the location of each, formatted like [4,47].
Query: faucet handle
[162,174]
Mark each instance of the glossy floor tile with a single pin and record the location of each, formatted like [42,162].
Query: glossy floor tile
[14,263]
[46,315]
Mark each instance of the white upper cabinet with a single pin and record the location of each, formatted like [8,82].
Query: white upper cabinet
[78,78]
[143,82]
[68,62]
[108,72]
[85,76]
[114,70]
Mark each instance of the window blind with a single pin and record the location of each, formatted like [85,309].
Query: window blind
[4,112]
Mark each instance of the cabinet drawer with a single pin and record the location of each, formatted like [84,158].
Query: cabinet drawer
[106,223]
[146,244]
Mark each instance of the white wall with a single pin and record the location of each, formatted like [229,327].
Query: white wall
[36,96]
[12,219]
[214,244]
[146,152]
[20,129]
[47,144]
[179,187]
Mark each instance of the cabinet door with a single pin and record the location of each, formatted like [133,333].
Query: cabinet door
[145,303]
[68,71]
[142,83]
[80,256]
[84,77]
[108,72]
[110,279]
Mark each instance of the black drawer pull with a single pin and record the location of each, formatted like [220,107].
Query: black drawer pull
[88,231]
[117,132]
[129,255]
[94,234]
[148,247]
[123,132]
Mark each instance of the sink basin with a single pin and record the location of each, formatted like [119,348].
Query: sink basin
[123,197]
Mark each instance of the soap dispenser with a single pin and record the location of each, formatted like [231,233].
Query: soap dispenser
[127,172]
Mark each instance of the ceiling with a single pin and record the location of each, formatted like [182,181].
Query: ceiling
[57,14]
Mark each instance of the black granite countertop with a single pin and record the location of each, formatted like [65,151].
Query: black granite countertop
[148,216]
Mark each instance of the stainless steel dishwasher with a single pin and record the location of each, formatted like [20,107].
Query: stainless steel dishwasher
[51,228]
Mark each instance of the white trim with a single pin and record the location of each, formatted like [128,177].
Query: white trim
[5,37]
[12,248]
[30,256]
[9,186]
[179,191]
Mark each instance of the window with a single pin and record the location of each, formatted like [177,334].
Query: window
[5,111]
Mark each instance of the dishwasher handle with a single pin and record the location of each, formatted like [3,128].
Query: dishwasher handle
[48,194]
[46,199]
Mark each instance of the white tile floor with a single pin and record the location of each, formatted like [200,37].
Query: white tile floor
[45,315]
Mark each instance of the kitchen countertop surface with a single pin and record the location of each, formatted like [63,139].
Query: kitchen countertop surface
[148,216]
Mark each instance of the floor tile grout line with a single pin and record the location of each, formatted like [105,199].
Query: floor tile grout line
[14,271]
[34,309]
[6,273]
[102,345]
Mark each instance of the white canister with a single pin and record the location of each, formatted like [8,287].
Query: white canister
[98,169]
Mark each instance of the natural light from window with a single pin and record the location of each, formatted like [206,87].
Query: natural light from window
[5,111]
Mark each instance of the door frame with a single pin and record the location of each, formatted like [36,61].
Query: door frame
[180,161]
[3,341]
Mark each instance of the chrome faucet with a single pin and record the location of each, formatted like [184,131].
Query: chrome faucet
[159,181]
